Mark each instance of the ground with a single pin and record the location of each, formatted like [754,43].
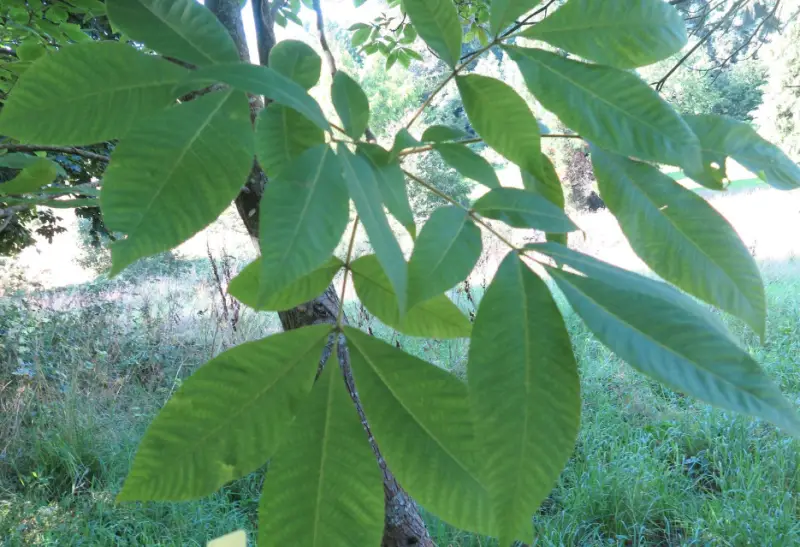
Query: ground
[85,363]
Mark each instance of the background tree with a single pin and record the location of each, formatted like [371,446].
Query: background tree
[779,115]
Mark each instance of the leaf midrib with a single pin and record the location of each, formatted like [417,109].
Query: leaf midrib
[323,456]
[432,311]
[421,425]
[300,223]
[213,432]
[597,97]
[177,30]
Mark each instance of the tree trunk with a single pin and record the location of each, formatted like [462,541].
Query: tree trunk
[403,525]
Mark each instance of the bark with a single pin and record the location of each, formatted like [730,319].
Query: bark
[403,524]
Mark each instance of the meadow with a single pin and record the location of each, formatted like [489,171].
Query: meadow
[84,368]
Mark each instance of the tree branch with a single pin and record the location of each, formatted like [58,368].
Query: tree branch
[660,83]
[58,149]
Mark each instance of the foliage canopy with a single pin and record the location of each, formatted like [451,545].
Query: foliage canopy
[179,163]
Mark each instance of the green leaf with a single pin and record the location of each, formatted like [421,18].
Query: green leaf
[282,134]
[421,420]
[227,419]
[546,184]
[40,172]
[369,204]
[525,394]
[16,160]
[522,209]
[402,141]
[468,163]
[392,184]
[261,80]
[297,61]
[446,251]
[503,119]
[441,133]
[30,50]
[324,486]
[619,34]
[88,93]
[504,12]
[245,286]
[681,237]
[611,108]
[351,104]
[668,336]
[360,36]
[438,24]
[303,215]
[196,153]
[182,29]
[721,137]
[434,318]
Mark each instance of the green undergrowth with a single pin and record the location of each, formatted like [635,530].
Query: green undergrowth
[84,369]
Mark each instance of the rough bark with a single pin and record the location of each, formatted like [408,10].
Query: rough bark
[403,525]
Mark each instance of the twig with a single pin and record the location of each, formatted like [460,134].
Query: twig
[471,57]
[58,149]
[323,42]
[473,215]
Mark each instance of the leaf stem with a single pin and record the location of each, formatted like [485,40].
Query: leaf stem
[348,259]
[473,215]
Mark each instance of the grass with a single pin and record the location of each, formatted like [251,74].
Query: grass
[84,369]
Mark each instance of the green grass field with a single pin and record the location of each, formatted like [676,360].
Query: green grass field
[83,370]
